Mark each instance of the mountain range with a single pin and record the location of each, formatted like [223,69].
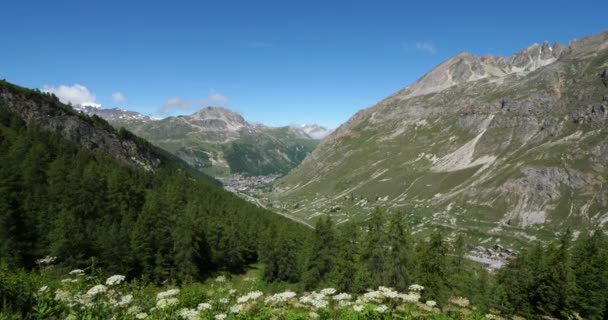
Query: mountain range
[218,141]
[511,148]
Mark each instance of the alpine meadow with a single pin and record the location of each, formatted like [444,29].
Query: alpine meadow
[313,160]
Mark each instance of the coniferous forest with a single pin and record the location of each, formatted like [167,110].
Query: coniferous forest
[161,228]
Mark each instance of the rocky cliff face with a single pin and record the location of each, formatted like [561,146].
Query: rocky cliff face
[48,113]
[503,147]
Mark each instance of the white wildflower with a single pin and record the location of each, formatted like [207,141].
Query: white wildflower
[115,280]
[68,280]
[342,296]
[416,288]
[328,291]
[237,308]
[411,297]
[167,294]
[43,289]
[186,313]
[460,301]
[46,260]
[224,300]
[203,306]
[125,300]
[280,297]
[313,315]
[61,295]
[358,308]
[98,289]
[249,296]
[134,310]
[372,296]
[220,279]
[77,272]
[220,316]
[388,292]
[381,308]
[319,304]
[344,303]
[168,302]
[232,291]
[431,303]
[141,315]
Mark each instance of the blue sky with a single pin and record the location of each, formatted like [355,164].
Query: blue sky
[276,62]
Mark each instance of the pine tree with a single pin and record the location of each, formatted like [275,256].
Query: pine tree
[434,268]
[323,252]
[375,250]
[347,260]
[591,273]
[399,264]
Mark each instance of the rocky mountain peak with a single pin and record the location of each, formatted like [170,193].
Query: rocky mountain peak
[218,119]
[465,67]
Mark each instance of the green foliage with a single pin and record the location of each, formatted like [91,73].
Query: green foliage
[59,199]
[548,281]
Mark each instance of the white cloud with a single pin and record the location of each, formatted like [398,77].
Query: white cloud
[118,96]
[76,94]
[214,99]
[426,47]
[174,103]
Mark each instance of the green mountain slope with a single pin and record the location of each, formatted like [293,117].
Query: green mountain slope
[218,141]
[74,188]
[496,146]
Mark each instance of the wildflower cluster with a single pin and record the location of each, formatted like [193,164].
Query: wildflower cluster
[112,298]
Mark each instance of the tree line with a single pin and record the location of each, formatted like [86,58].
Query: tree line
[563,279]
[60,199]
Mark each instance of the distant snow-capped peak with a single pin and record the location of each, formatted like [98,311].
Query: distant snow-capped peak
[314,131]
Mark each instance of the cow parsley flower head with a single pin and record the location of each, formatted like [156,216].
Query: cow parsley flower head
[319,304]
[168,302]
[358,308]
[115,280]
[280,297]
[220,279]
[203,306]
[46,260]
[381,308]
[96,290]
[237,308]
[134,310]
[77,272]
[188,314]
[342,296]
[141,315]
[68,280]
[416,288]
[220,316]
[372,296]
[344,303]
[224,300]
[43,289]
[328,291]
[61,295]
[411,297]
[388,292]
[431,303]
[249,296]
[125,300]
[460,301]
[167,294]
